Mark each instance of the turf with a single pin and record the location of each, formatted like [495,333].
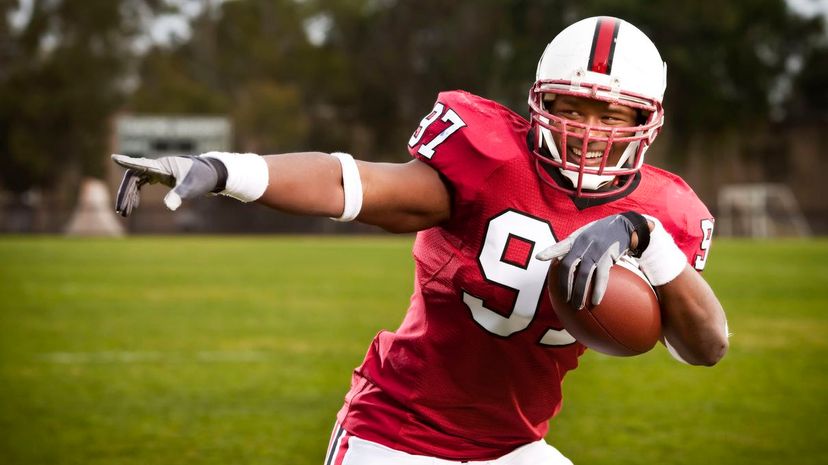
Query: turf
[239,350]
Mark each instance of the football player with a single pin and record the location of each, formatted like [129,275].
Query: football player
[474,371]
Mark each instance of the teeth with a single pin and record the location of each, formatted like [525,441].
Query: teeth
[589,155]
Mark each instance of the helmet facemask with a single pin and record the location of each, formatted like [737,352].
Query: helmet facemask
[588,178]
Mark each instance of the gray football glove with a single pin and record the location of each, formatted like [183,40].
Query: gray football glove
[188,176]
[588,254]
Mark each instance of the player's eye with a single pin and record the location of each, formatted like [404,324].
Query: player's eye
[615,120]
[569,114]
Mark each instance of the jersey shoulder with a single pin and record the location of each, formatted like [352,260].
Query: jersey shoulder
[669,198]
[668,190]
[466,138]
[480,109]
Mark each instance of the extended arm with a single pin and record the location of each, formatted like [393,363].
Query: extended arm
[398,197]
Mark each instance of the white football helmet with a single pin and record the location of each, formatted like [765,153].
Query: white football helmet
[606,59]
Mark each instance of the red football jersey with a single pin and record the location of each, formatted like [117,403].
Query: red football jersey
[475,369]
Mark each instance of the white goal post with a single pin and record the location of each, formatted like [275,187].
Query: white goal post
[760,210]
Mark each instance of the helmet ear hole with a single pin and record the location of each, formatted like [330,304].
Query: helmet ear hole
[641,117]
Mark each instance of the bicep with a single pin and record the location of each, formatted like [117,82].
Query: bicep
[403,197]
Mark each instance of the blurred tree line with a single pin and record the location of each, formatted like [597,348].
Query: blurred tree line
[62,77]
[359,74]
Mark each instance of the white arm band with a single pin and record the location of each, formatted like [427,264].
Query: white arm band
[662,261]
[352,185]
[247,174]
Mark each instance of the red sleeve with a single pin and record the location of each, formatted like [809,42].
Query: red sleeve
[460,138]
[687,219]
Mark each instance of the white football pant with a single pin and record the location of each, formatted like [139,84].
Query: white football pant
[346,449]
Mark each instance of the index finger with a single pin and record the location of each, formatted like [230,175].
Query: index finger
[556,250]
[141,165]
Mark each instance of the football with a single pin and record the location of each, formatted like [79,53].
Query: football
[627,321]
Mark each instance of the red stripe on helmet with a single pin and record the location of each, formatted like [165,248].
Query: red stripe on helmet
[603,45]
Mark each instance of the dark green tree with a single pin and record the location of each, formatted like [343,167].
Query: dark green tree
[62,80]
[249,60]
[380,64]
[726,64]
[809,91]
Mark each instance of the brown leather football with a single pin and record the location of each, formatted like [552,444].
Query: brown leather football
[626,322]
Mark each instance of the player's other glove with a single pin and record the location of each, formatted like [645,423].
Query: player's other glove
[243,176]
[188,176]
[588,254]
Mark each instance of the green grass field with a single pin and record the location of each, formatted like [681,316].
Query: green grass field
[239,350]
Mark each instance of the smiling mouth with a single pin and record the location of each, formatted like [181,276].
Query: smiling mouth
[593,158]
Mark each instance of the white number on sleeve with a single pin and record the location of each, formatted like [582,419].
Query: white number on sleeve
[707,230]
[528,281]
[427,149]
[426,122]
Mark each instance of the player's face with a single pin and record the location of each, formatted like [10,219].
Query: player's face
[592,113]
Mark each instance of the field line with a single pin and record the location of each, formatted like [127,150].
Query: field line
[118,356]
